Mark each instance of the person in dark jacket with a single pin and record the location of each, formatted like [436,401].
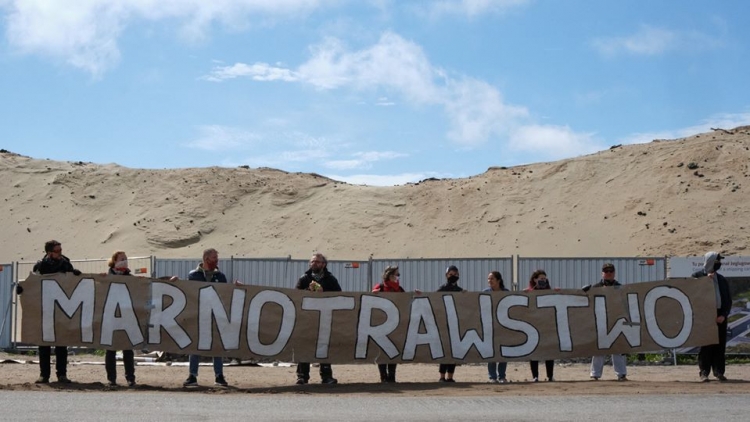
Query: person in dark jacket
[539,281]
[316,279]
[390,284]
[618,360]
[118,265]
[53,262]
[451,285]
[208,270]
[713,357]
[496,370]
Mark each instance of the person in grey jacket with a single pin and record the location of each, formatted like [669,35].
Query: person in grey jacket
[618,361]
[713,357]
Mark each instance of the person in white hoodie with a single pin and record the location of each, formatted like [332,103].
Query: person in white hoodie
[712,357]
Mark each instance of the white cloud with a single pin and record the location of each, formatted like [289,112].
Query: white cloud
[257,71]
[475,109]
[84,33]
[722,121]
[471,8]
[651,41]
[221,138]
[553,142]
[363,160]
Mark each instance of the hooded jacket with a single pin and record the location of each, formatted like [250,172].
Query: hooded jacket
[709,260]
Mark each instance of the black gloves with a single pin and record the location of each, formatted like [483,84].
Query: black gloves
[76,272]
[19,289]
[586,288]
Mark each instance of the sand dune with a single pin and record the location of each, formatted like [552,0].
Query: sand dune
[676,197]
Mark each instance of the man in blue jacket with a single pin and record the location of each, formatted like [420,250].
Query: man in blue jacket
[712,357]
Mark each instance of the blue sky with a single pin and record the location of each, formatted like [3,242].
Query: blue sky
[377,92]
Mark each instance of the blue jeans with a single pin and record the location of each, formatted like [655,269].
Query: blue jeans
[218,365]
[496,370]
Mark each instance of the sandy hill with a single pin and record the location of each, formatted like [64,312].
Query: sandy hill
[677,197]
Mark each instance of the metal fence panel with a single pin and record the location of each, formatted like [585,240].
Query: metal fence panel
[7,291]
[574,273]
[353,276]
[167,267]
[428,275]
[269,272]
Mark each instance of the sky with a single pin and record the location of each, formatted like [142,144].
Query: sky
[376,92]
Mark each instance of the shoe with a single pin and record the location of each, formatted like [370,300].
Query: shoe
[42,380]
[704,378]
[622,378]
[721,378]
[220,381]
[301,381]
[450,380]
[502,381]
[329,380]
[190,381]
[112,383]
[442,380]
[131,383]
[593,378]
[550,379]
[492,381]
[535,380]
[62,379]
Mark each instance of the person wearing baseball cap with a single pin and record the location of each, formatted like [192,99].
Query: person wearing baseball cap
[712,357]
[619,363]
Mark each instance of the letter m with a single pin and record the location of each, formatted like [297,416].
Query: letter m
[82,298]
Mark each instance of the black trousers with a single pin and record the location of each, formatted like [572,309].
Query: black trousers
[387,372]
[61,361]
[447,367]
[549,365]
[713,357]
[110,364]
[303,371]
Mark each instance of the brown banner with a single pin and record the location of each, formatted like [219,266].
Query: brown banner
[111,312]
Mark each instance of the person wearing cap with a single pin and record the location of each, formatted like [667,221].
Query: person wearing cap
[619,362]
[712,357]
[451,285]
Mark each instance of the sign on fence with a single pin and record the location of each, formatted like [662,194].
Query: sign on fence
[116,312]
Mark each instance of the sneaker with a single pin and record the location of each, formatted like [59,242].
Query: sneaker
[301,381]
[220,381]
[622,378]
[450,380]
[190,381]
[329,380]
[721,378]
[502,381]
[442,380]
[593,378]
[112,383]
[42,380]
[535,380]
[550,379]
[131,383]
[62,379]
[704,378]
[493,381]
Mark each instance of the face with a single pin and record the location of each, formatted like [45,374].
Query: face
[212,260]
[56,252]
[541,278]
[317,264]
[395,276]
[451,273]
[121,257]
[493,282]
[608,274]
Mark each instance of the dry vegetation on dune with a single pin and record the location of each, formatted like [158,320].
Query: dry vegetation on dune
[677,197]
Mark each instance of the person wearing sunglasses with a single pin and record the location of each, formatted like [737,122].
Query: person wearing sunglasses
[618,361]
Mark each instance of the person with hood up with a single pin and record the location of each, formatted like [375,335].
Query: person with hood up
[539,281]
[315,279]
[451,285]
[712,357]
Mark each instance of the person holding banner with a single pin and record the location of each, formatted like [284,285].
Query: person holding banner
[53,262]
[619,363]
[539,281]
[451,285]
[118,265]
[208,270]
[315,279]
[713,357]
[496,370]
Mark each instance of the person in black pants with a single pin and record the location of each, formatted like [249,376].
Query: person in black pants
[118,265]
[53,262]
[713,357]
[317,278]
[539,281]
[451,275]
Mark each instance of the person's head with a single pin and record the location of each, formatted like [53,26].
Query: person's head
[391,274]
[451,274]
[608,271]
[538,280]
[318,263]
[495,281]
[210,259]
[712,262]
[119,259]
[53,249]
